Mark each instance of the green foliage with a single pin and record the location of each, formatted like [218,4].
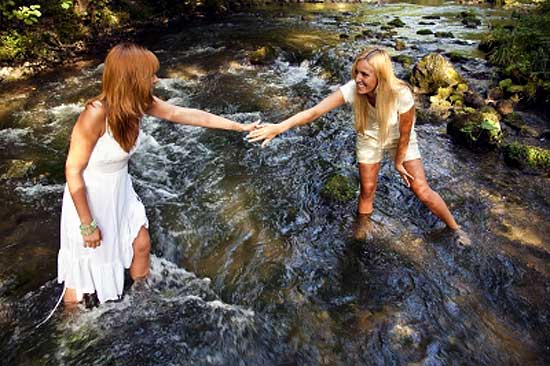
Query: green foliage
[13,45]
[26,14]
[520,48]
[66,4]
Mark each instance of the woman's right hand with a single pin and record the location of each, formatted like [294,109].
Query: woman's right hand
[265,132]
[93,240]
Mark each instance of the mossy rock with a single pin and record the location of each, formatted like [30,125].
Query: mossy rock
[343,36]
[477,129]
[509,87]
[470,19]
[400,45]
[456,56]
[426,23]
[424,32]
[339,188]
[397,23]
[387,27]
[515,122]
[431,17]
[368,33]
[308,17]
[18,169]
[433,72]
[263,56]
[444,35]
[526,156]
[404,60]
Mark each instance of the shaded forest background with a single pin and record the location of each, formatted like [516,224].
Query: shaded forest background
[47,31]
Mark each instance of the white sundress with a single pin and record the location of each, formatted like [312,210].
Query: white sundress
[119,214]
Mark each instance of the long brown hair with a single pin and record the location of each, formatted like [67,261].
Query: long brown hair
[127,90]
[386,92]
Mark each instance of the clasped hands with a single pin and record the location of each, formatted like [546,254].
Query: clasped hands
[265,132]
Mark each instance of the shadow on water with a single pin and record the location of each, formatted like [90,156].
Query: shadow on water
[282,281]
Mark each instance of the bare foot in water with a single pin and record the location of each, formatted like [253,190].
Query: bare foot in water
[362,226]
[461,238]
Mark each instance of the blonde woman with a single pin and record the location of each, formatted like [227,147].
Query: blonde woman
[103,222]
[384,114]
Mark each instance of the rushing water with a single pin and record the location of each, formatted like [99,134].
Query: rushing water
[252,266]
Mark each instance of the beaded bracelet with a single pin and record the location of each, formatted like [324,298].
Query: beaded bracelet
[86,230]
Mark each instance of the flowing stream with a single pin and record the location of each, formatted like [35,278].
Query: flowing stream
[251,265]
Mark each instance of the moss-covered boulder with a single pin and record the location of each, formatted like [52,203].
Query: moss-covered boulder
[263,56]
[339,188]
[404,60]
[18,169]
[474,128]
[433,72]
[457,56]
[527,157]
[400,45]
[397,23]
[444,35]
[368,32]
[424,32]
[431,17]
[470,19]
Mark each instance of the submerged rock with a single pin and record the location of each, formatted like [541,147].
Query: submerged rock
[516,123]
[433,72]
[527,157]
[339,188]
[475,128]
[263,56]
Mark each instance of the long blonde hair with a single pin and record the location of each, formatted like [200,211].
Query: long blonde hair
[127,90]
[386,92]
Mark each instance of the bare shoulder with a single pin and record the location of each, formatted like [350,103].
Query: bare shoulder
[92,119]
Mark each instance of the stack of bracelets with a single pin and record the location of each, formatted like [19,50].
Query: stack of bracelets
[86,230]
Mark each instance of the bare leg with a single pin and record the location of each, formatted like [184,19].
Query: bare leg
[140,263]
[69,299]
[368,174]
[430,198]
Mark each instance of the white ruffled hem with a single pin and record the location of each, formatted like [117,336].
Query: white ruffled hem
[106,279]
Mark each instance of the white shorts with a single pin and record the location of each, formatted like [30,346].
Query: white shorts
[369,150]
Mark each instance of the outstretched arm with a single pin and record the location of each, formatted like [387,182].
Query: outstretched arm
[194,117]
[269,131]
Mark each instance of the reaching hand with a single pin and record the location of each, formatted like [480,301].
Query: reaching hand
[265,132]
[407,177]
[250,126]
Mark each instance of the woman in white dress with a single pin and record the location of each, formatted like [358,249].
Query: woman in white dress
[384,115]
[103,222]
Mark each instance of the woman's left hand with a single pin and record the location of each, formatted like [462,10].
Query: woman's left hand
[247,127]
[407,177]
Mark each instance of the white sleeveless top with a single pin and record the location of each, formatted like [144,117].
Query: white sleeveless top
[119,214]
[403,103]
